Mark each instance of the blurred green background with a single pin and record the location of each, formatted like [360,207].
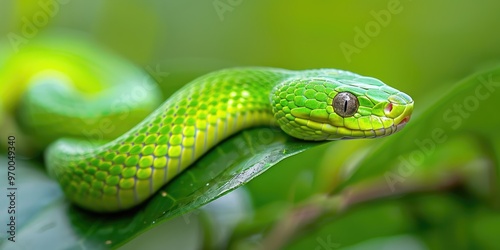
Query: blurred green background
[421,47]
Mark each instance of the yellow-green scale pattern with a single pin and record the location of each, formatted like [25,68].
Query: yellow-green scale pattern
[123,173]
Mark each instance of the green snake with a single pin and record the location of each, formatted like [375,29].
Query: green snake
[122,172]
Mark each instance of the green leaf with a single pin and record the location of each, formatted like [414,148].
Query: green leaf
[55,224]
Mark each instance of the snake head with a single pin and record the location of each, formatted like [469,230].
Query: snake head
[339,105]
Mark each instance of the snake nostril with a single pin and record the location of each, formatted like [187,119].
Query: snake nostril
[388,108]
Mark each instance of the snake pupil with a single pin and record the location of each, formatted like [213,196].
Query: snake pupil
[345,104]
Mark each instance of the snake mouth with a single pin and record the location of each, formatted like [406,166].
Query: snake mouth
[396,127]
[387,131]
[404,121]
[343,133]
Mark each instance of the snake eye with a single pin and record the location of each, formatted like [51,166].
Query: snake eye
[345,104]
